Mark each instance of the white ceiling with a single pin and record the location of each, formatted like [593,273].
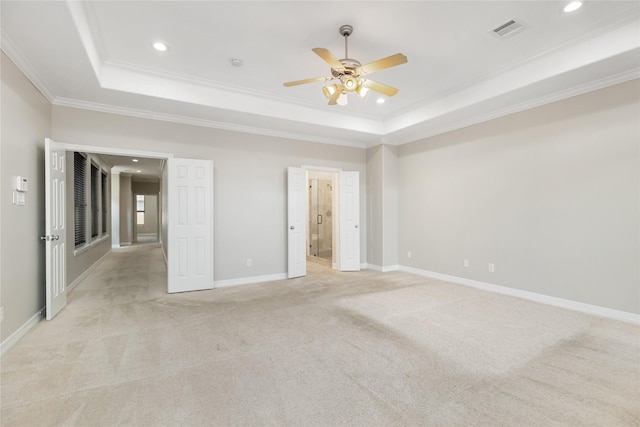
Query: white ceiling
[140,168]
[98,55]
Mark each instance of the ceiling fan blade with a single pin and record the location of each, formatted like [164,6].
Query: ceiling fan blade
[335,96]
[305,81]
[381,64]
[379,87]
[328,57]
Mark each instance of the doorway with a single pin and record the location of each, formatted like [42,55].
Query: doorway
[345,218]
[146,227]
[320,212]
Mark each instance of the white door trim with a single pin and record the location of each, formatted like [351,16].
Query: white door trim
[113,151]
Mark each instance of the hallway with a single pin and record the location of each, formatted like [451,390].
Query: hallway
[333,348]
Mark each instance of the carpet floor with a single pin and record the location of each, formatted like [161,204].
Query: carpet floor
[329,349]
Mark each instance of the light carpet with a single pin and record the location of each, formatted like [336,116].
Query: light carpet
[329,349]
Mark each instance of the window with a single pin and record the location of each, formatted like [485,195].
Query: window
[90,200]
[80,198]
[95,208]
[140,209]
[105,203]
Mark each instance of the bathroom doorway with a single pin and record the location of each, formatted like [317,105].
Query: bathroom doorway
[321,225]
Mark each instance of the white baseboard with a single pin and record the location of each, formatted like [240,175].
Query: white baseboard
[383,269]
[531,296]
[249,280]
[86,273]
[20,332]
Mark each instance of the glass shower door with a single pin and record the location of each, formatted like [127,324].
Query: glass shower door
[320,219]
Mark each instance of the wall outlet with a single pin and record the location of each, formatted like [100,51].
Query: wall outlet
[492,268]
[466,263]
[249,262]
[409,254]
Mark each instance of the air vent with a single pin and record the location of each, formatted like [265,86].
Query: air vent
[507,29]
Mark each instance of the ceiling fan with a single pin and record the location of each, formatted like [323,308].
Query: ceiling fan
[350,74]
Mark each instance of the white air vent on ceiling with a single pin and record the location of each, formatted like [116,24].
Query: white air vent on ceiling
[509,28]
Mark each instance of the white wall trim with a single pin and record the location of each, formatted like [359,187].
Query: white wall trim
[249,280]
[174,118]
[81,277]
[383,269]
[21,332]
[531,296]
[12,51]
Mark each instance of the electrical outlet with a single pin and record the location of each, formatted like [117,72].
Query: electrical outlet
[409,254]
[492,268]
[466,263]
[249,262]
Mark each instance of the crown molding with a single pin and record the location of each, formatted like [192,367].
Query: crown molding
[115,65]
[81,22]
[12,51]
[173,118]
[518,107]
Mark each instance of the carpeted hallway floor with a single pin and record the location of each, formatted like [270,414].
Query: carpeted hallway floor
[330,349]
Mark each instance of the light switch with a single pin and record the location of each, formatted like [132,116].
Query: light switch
[19,198]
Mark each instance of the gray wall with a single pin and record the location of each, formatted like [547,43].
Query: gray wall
[550,195]
[144,187]
[25,117]
[126,210]
[374,205]
[382,203]
[249,179]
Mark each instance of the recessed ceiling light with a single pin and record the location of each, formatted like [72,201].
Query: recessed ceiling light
[380,100]
[573,6]
[160,46]
[135,160]
[236,62]
[138,171]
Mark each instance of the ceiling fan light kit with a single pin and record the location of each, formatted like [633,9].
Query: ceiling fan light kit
[349,73]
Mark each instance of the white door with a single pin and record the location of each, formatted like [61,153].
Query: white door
[349,221]
[296,222]
[55,230]
[190,221]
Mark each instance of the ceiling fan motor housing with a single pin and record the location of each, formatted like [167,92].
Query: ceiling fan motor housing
[346,30]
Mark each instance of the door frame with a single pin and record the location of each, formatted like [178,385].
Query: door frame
[112,151]
[134,226]
[335,204]
[336,207]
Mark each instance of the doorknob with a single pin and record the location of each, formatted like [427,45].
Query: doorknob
[292,227]
[50,238]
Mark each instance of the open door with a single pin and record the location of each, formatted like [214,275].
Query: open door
[190,219]
[296,222]
[55,228]
[349,221]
